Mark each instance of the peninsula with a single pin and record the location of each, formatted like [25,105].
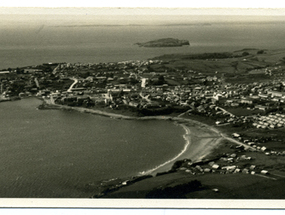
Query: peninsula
[165,42]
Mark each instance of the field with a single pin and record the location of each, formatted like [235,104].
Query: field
[238,67]
[213,186]
[239,111]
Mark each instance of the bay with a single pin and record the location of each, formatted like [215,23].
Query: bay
[56,154]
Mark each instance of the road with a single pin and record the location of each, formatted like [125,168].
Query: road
[73,84]
[222,109]
[145,97]
[237,142]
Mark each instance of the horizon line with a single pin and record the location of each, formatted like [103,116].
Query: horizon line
[140,11]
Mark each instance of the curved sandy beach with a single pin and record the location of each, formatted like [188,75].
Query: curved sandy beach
[199,143]
[200,138]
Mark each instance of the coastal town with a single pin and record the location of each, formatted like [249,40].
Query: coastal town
[248,108]
[152,87]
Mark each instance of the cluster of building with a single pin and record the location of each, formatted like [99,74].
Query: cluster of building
[256,143]
[227,164]
[146,84]
[135,85]
[271,121]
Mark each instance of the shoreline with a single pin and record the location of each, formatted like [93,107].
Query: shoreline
[197,135]
[166,164]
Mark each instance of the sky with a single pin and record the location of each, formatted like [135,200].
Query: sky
[141,11]
[146,7]
[145,3]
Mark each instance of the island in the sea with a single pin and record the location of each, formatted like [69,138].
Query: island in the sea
[165,42]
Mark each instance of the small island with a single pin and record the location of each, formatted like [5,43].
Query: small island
[165,42]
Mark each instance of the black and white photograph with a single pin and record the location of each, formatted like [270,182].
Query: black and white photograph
[145,104]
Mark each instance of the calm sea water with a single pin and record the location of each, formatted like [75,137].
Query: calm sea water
[41,42]
[54,153]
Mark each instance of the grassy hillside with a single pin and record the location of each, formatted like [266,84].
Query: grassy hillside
[244,62]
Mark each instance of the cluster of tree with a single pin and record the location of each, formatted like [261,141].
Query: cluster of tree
[274,109]
[260,52]
[79,102]
[155,111]
[159,81]
[215,55]
[17,87]
[178,191]
[203,56]
[161,110]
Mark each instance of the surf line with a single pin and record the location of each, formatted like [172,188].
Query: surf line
[186,138]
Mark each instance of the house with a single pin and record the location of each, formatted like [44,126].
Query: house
[215,166]
[217,96]
[32,70]
[246,101]
[133,104]
[264,172]
[272,126]
[229,168]
[263,96]
[261,107]
[90,78]
[234,104]
[274,93]
[4,72]
[236,135]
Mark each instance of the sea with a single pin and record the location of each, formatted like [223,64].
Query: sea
[32,40]
[67,154]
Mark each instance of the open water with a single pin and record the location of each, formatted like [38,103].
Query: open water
[56,153]
[28,40]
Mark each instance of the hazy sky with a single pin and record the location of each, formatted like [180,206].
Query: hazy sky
[14,16]
[146,3]
[131,7]
[109,12]
[143,11]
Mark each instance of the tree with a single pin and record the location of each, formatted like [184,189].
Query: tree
[260,52]
[161,78]
[133,81]
[18,70]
